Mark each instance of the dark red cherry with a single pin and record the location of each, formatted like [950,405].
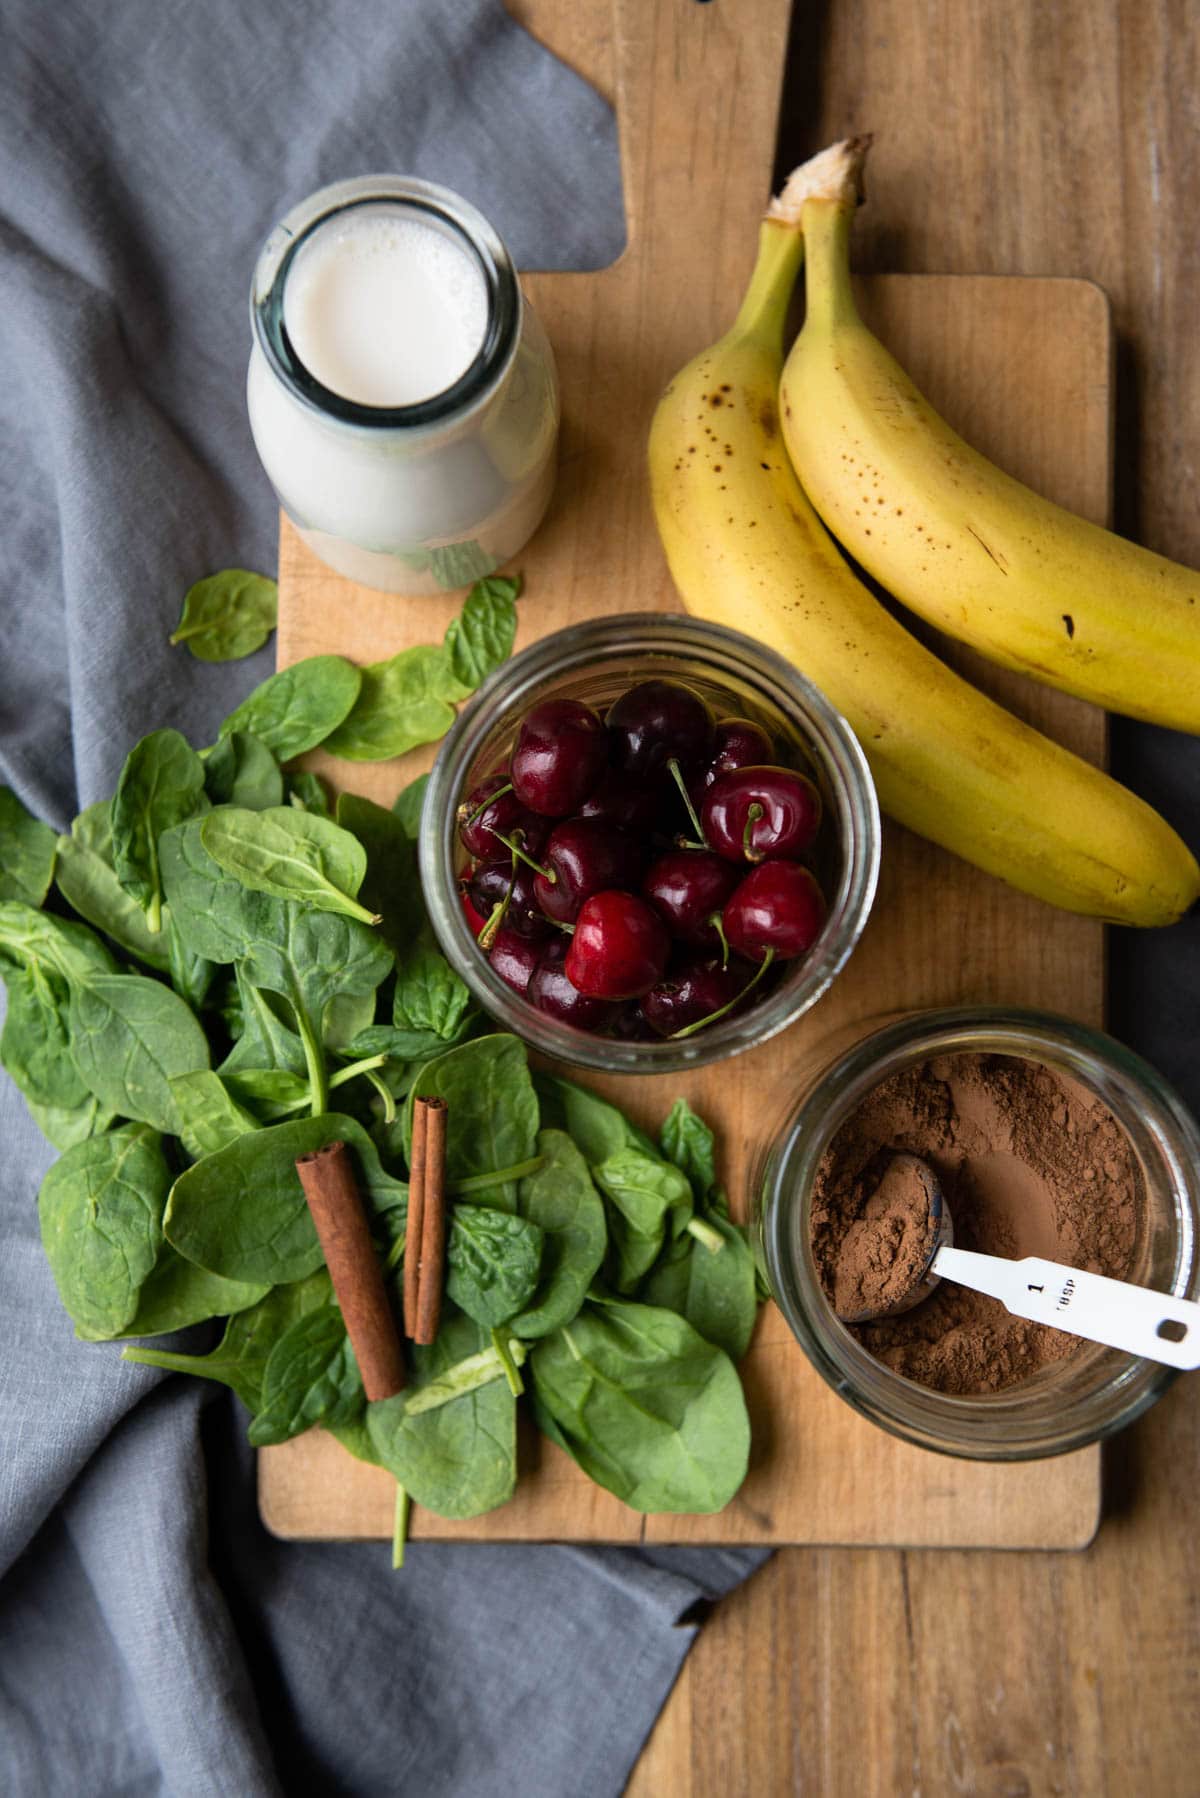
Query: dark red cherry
[737,743]
[585,856]
[777,906]
[561,751]
[693,989]
[474,922]
[685,887]
[656,721]
[632,804]
[514,958]
[752,813]
[619,949]
[490,883]
[629,1026]
[481,815]
[551,990]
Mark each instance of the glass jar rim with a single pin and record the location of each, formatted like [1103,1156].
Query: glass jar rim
[989,1425]
[664,634]
[297,227]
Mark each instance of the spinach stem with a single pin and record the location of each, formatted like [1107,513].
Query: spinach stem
[350,1072]
[500,1343]
[385,1093]
[314,1059]
[704,1234]
[400,1527]
[483,1182]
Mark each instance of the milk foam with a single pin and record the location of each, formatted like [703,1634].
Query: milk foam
[385,309]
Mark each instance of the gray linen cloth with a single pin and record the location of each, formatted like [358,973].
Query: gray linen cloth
[153,1638]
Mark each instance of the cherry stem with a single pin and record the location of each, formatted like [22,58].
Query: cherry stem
[716,920]
[511,843]
[677,777]
[754,812]
[465,823]
[713,1016]
[487,935]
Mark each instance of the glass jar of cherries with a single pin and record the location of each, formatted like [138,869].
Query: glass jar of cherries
[649,843]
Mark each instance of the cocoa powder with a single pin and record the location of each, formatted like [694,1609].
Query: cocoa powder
[1030,1163]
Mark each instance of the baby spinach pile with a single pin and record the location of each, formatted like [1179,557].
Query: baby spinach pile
[250,974]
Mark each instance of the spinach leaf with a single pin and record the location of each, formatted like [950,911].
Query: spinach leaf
[161,785]
[216,916]
[264,1043]
[239,770]
[688,1142]
[481,637]
[177,1294]
[291,855]
[227,616]
[454,564]
[408,806]
[101,1209]
[404,701]
[88,882]
[65,1125]
[296,709]
[129,1035]
[192,975]
[241,1212]
[716,1292]
[240,1358]
[645,1197]
[35,1045]
[311,1377]
[597,1128]
[429,996]
[459,1458]
[648,1409]
[561,1199]
[67,951]
[209,1119]
[493,1111]
[347,1015]
[313,958]
[492,1259]
[406,1045]
[391,885]
[268,1088]
[308,790]
[27,849]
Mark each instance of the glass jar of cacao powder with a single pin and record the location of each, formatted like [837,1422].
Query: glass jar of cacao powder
[1049,1139]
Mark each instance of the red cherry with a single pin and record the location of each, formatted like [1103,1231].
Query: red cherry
[585,856]
[561,751]
[685,887]
[489,886]
[752,813]
[779,907]
[552,991]
[619,949]
[737,743]
[493,807]
[514,958]
[656,721]
[630,803]
[474,922]
[693,990]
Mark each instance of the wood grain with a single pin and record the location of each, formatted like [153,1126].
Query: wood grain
[1023,368]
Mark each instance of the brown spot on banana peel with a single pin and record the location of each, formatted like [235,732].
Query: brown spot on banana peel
[997,558]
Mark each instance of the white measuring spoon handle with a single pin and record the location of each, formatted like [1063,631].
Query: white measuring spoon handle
[1154,1324]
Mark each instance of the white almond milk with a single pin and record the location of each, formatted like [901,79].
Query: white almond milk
[402,394]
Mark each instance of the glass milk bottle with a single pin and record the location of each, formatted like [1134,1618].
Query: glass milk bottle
[402,393]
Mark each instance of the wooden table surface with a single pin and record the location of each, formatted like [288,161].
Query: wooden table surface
[1024,137]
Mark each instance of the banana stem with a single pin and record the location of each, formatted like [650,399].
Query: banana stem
[829,297]
[763,312]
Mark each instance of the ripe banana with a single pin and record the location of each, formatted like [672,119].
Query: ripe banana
[962,544]
[746,549]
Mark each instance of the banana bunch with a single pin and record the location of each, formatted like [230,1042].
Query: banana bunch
[957,541]
[747,549]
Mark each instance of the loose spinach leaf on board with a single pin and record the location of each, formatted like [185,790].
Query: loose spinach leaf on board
[561,1198]
[492,1258]
[227,616]
[481,637]
[597,1128]
[101,1210]
[88,882]
[716,1292]
[209,1118]
[459,1459]
[311,1377]
[687,1141]
[241,1212]
[646,1199]
[290,855]
[129,1035]
[303,788]
[239,770]
[240,1358]
[493,1111]
[647,1408]
[299,707]
[405,701]
[408,806]
[161,785]
[27,849]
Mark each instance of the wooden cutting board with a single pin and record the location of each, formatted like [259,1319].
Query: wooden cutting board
[1023,368]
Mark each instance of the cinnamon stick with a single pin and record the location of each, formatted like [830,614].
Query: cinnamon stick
[433,1222]
[327,1176]
[416,1215]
